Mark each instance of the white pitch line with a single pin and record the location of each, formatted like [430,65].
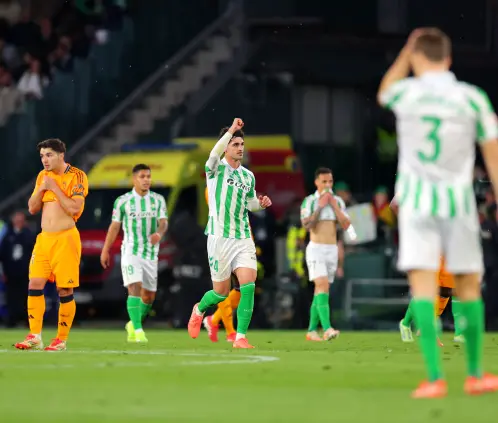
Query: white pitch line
[226,358]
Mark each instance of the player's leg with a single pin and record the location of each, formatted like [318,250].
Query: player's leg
[405,325]
[133,273]
[65,263]
[245,268]
[246,277]
[39,272]
[331,259]
[220,257]
[317,272]
[234,298]
[419,252]
[457,314]
[147,293]
[465,261]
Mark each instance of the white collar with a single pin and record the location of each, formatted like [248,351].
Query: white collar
[136,194]
[438,75]
[225,162]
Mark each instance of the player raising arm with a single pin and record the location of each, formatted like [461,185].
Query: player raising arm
[143,215]
[438,120]
[59,193]
[231,193]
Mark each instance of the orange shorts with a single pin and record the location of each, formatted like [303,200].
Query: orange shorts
[445,279]
[57,255]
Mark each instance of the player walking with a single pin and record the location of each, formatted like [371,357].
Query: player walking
[438,120]
[320,213]
[143,215]
[231,192]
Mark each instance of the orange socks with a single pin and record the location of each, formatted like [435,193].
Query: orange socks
[67,311]
[225,311]
[36,310]
[441,305]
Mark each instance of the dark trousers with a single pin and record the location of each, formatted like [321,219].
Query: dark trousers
[491,298]
[16,291]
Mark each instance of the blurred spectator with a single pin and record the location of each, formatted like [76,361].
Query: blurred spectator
[61,57]
[381,207]
[263,226]
[10,10]
[25,33]
[15,253]
[5,76]
[341,188]
[32,80]
[480,183]
[9,54]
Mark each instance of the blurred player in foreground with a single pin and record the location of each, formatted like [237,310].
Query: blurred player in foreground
[231,190]
[438,121]
[143,215]
[320,213]
[59,193]
[446,283]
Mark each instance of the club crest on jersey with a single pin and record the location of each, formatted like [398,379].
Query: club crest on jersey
[237,184]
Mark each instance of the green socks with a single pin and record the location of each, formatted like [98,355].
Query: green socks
[209,299]
[456,308]
[144,309]
[133,307]
[425,320]
[407,320]
[323,309]
[246,305]
[314,318]
[473,330]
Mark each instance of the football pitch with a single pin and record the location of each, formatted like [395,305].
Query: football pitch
[360,377]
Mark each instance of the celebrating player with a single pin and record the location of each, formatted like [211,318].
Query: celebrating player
[231,192]
[320,213]
[143,215]
[438,120]
[59,193]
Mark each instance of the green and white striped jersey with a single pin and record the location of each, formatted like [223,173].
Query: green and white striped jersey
[310,204]
[140,218]
[439,119]
[229,191]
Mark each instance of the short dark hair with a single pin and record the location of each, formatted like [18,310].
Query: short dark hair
[434,44]
[239,133]
[54,143]
[137,168]
[322,171]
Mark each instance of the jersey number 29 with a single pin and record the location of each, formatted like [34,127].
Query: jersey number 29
[433,137]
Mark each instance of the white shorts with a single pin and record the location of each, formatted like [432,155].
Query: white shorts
[227,254]
[424,239]
[321,260]
[136,269]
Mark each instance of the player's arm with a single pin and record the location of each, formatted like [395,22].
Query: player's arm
[35,202]
[163,222]
[112,232]
[213,161]
[74,204]
[339,208]
[310,219]
[391,85]
[487,133]
[258,203]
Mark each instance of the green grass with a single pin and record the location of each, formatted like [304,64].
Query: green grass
[361,377]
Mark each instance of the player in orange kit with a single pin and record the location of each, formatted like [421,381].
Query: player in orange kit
[59,193]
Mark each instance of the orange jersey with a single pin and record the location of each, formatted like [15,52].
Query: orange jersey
[73,183]
[445,279]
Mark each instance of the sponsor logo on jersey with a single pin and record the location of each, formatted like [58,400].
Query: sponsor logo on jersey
[142,214]
[237,184]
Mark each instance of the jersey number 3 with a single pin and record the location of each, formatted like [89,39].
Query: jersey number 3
[433,137]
